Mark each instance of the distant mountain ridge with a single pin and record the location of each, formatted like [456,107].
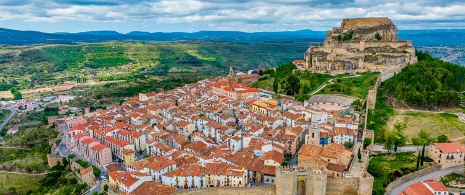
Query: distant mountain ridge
[17,37]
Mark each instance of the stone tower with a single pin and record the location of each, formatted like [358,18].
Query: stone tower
[316,180]
[286,180]
[231,75]
[371,102]
[313,137]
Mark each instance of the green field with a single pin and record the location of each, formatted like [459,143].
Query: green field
[354,86]
[19,183]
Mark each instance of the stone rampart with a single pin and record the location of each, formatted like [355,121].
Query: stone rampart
[256,190]
[412,176]
[349,23]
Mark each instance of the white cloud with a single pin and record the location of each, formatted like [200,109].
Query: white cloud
[248,15]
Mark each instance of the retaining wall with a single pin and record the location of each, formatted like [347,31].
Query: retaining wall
[412,176]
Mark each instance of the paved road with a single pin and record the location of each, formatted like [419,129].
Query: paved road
[399,189]
[96,188]
[4,122]
[12,113]
[380,148]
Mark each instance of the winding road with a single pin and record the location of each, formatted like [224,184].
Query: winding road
[4,122]
[399,189]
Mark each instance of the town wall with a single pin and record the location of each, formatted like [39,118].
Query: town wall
[338,186]
[256,190]
[411,177]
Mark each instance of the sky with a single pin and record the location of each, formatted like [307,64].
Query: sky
[222,15]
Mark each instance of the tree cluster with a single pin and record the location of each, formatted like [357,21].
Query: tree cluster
[430,83]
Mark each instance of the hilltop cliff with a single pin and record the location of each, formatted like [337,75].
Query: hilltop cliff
[360,44]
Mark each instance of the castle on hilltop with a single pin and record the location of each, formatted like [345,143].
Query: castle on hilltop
[359,45]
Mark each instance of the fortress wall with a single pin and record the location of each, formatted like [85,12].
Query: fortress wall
[393,44]
[366,185]
[256,190]
[349,23]
[337,186]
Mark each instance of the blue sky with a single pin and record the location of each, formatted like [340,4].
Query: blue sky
[238,15]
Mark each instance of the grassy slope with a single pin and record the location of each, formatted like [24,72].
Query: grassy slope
[22,183]
[356,86]
[313,80]
[435,124]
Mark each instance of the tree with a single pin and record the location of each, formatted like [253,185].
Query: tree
[96,171]
[418,160]
[105,188]
[378,37]
[422,155]
[71,156]
[349,144]
[276,85]
[366,142]
[394,139]
[422,138]
[442,139]
[306,89]
[359,155]
[357,104]
[291,85]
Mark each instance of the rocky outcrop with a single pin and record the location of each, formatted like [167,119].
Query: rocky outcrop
[359,45]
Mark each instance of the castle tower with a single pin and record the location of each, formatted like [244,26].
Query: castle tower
[316,180]
[286,180]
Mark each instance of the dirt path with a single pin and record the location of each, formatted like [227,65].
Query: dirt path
[21,173]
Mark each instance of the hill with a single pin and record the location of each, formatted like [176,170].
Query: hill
[16,37]
[429,84]
[29,67]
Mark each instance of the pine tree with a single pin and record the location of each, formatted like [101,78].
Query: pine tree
[418,160]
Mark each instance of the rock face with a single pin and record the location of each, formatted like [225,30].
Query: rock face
[359,45]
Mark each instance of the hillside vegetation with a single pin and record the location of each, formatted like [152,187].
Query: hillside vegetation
[37,66]
[431,83]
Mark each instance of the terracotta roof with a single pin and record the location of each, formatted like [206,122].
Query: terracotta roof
[99,147]
[273,155]
[87,170]
[153,188]
[449,147]
[310,150]
[113,167]
[336,167]
[436,185]
[416,189]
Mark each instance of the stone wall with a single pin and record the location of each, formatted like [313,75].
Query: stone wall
[53,160]
[411,176]
[349,23]
[257,190]
[338,186]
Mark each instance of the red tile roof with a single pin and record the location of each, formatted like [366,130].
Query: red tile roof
[87,170]
[153,188]
[449,147]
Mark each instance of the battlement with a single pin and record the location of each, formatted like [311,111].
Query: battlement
[349,23]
